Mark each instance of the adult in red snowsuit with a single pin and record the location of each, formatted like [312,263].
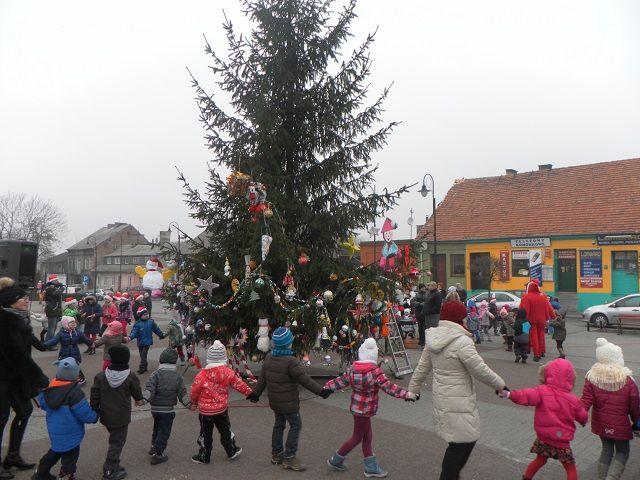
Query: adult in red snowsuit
[539,310]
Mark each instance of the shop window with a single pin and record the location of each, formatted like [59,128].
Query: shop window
[627,261]
[457,264]
[520,263]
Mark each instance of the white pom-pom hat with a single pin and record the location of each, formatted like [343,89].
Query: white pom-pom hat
[368,351]
[608,353]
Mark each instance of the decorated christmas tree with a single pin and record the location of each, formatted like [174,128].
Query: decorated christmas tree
[291,175]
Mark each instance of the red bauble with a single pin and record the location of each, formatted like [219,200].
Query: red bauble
[303,259]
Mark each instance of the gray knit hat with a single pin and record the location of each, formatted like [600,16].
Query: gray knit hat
[217,354]
[68,369]
[169,355]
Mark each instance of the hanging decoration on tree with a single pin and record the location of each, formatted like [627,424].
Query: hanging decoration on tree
[351,246]
[265,244]
[257,195]
[390,249]
[263,335]
[303,259]
[227,267]
[207,284]
[238,183]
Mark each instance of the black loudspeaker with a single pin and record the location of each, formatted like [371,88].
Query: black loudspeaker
[19,260]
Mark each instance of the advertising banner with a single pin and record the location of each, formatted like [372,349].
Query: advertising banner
[535,265]
[591,268]
[530,242]
[504,265]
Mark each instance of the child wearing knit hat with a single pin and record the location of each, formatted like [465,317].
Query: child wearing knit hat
[281,373]
[609,389]
[366,379]
[210,395]
[69,337]
[164,388]
[67,411]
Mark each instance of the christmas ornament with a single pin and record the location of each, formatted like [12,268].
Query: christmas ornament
[196,309]
[254,296]
[247,266]
[414,272]
[350,246]
[263,335]
[265,243]
[207,327]
[207,284]
[252,264]
[328,295]
[254,358]
[359,299]
[268,212]
[227,268]
[333,277]
[259,282]
[303,259]
[235,285]
[257,195]
[294,323]
[319,303]
[237,183]
[277,299]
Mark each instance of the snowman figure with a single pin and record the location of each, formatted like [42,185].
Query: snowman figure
[152,279]
[390,249]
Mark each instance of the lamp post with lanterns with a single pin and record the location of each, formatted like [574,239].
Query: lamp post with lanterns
[424,191]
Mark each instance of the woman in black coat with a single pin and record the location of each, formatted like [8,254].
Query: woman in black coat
[20,377]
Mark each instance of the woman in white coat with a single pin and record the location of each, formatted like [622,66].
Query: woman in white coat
[451,354]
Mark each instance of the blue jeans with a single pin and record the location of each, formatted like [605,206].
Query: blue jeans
[295,426]
[162,424]
[52,323]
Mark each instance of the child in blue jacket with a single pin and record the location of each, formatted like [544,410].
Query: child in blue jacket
[67,411]
[69,337]
[143,330]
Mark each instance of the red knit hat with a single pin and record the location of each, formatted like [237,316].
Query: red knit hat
[141,311]
[454,312]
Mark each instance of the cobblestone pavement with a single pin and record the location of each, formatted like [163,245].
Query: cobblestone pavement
[404,437]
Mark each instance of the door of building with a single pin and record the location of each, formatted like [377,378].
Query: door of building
[440,268]
[566,271]
[624,272]
[480,270]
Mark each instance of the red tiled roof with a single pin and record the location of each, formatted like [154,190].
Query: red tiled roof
[600,198]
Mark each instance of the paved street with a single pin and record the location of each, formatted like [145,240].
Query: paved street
[403,433]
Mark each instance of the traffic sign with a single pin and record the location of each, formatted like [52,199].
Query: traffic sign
[85,279]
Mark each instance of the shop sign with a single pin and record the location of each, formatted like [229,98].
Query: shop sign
[591,268]
[632,239]
[530,242]
[504,265]
[566,254]
[520,254]
[535,265]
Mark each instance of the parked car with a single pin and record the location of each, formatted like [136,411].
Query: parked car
[502,299]
[607,313]
[134,291]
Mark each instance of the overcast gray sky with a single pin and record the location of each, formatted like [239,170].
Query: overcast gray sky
[96,106]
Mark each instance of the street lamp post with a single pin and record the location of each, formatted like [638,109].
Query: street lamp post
[120,274]
[424,191]
[179,249]
[95,262]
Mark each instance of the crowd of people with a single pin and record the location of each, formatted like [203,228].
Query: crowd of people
[450,331]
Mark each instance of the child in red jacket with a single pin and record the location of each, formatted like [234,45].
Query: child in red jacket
[210,394]
[557,410]
[610,390]
[366,379]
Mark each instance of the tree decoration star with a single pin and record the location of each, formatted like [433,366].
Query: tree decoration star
[207,284]
[351,246]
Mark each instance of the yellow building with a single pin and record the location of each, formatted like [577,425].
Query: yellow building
[575,229]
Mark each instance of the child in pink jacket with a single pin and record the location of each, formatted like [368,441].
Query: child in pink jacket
[557,410]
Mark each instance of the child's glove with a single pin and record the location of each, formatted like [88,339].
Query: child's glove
[253,398]
[325,393]
[505,393]
[411,397]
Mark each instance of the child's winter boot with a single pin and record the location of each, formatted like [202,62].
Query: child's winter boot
[372,469]
[337,462]
[203,456]
[43,474]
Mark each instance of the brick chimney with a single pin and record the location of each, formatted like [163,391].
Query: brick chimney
[545,166]
[511,172]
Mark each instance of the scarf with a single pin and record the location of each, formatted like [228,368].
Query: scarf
[115,377]
[168,366]
[281,352]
